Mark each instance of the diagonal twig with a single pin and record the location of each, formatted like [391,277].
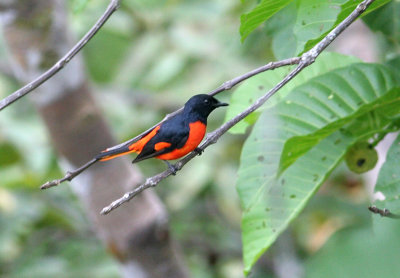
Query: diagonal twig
[305,60]
[383,212]
[112,7]
[69,175]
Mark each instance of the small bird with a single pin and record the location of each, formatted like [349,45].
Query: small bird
[174,138]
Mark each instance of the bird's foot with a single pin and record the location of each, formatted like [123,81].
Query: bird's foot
[171,168]
[199,151]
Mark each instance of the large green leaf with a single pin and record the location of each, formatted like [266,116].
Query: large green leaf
[389,179]
[315,18]
[292,27]
[280,30]
[276,202]
[330,101]
[300,25]
[394,63]
[262,12]
[313,36]
[386,20]
[269,202]
[258,85]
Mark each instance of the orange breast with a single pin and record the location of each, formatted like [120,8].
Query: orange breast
[196,134]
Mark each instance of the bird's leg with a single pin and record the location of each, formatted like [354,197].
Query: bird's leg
[199,151]
[171,167]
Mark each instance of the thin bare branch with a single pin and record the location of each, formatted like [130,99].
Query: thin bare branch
[305,60]
[69,175]
[383,212]
[112,7]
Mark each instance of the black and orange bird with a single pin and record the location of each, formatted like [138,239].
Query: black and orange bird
[173,138]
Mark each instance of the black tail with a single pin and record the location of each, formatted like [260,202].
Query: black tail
[112,153]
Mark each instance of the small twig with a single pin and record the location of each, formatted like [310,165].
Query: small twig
[69,175]
[383,212]
[112,7]
[270,66]
[305,60]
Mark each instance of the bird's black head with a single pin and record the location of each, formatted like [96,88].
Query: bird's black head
[202,105]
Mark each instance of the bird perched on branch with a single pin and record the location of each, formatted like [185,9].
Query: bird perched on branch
[173,138]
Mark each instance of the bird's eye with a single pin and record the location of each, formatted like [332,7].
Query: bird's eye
[206,101]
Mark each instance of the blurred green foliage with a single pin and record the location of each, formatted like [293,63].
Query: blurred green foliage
[146,61]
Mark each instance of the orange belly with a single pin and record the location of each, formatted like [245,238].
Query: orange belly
[196,134]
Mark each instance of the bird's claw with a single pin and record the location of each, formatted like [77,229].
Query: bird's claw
[172,168]
[199,151]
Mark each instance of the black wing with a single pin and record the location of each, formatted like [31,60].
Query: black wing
[173,132]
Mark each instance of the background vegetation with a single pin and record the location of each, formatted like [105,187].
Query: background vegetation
[152,56]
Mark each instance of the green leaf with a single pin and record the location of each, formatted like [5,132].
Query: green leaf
[302,24]
[277,202]
[258,85]
[271,203]
[310,36]
[394,63]
[315,18]
[388,182]
[328,102]
[261,13]
[280,29]
[386,20]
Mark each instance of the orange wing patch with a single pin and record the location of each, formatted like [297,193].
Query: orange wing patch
[196,134]
[113,156]
[161,145]
[137,147]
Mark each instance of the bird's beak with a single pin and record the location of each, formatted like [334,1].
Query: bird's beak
[221,104]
